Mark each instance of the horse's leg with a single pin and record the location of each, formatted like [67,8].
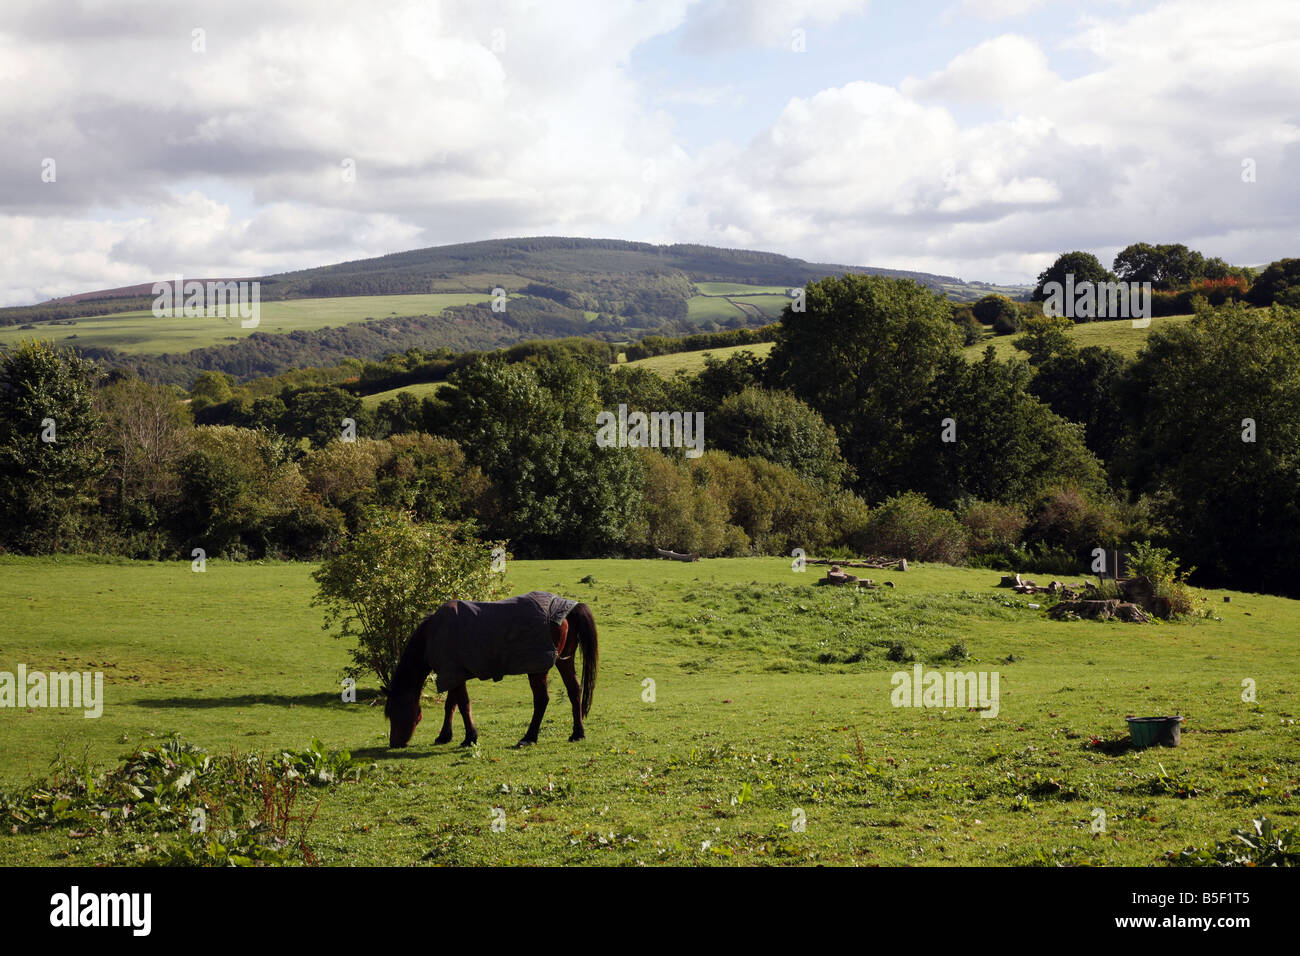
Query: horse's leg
[540,698]
[568,674]
[471,732]
[444,736]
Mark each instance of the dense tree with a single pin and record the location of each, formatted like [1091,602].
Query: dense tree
[210,388]
[1279,282]
[318,414]
[863,354]
[146,431]
[721,504]
[1086,386]
[722,378]
[50,457]
[982,434]
[1084,266]
[532,431]
[1216,410]
[778,427]
[398,415]
[997,311]
[245,497]
[1164,266]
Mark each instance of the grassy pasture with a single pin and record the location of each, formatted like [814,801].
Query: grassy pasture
[1118,335]
[728,300]
[771,696]
[143,333]
[738,288]
[420,390]
[692,362]
[711,308]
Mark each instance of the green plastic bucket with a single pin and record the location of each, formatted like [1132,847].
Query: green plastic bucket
[1155,731]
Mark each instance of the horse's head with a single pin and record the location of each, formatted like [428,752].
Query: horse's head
[403,713]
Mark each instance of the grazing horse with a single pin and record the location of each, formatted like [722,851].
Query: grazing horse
[487,640]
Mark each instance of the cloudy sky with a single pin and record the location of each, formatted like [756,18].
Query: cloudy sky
[976,138]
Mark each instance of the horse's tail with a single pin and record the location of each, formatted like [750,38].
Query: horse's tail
[581,620]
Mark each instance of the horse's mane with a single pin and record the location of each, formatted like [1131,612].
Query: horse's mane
[413,666]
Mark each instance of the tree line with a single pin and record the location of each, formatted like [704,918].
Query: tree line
[864,431]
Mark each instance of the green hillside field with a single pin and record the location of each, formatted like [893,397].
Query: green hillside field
[1119,335]
[143,333]
[692,362]
[420,390]
[734,699]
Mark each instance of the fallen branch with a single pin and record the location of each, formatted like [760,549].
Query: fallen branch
[875,564]
[674,556]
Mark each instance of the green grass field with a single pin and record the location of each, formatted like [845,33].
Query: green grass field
[692,362]
[752,302]
[772,698]
[738,288]
[420,390]
[143,333]
[1118,335]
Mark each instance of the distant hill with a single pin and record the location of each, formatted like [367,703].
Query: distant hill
[608,289]
[592,268]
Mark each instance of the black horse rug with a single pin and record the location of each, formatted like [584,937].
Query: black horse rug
[487,640]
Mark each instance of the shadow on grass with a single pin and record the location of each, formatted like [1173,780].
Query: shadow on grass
[391,753]
[248,700]
[1112,748]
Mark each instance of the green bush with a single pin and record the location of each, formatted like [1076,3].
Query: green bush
[991,525]
[1069,518]
[393,573]
[999,312]
[908,526]
[778,427]
[1161,567]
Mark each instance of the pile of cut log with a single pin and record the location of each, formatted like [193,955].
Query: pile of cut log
[675,556]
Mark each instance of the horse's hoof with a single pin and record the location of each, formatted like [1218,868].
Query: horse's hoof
[526,742]
[443,739]
[577,736]
[469,742]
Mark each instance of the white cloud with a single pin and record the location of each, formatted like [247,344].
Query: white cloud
[1004,71]
[727,24]
[998,9]
[467,121]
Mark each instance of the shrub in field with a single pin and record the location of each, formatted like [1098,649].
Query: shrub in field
[991,525]
[999,312]
[1070,518]
[1161,567]
[1045,336]
[908,526]
[392,573]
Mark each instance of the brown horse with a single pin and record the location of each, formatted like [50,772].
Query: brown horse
[487,640]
